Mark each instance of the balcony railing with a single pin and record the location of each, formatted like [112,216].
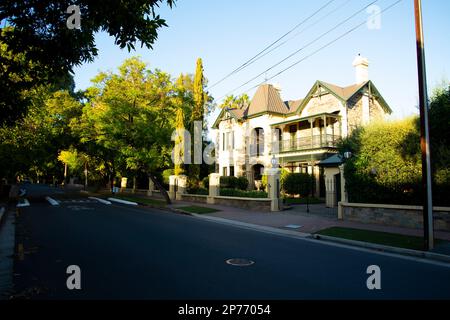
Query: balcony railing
[306,143]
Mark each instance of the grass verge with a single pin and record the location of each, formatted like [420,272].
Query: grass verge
[199,210]
[383,238]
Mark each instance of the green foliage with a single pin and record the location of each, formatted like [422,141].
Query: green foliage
[166,174]
[232,102]
[242,193]
[230,182]
[39,29]
[242,183]
[386,166]
[298,184]
[205,182]
[198,191]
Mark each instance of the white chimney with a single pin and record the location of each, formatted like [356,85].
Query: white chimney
[361,68]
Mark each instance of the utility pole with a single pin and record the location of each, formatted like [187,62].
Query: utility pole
[424,132]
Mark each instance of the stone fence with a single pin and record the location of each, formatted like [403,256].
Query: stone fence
[393,215]
[178,191]
[255,204]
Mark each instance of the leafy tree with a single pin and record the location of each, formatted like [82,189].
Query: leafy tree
[233,102]
[40,31]
[198,111]
[20,78]
[179,150]
[131,117]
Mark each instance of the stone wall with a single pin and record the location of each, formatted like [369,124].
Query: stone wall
[394,215]
[253,204]
[194,198]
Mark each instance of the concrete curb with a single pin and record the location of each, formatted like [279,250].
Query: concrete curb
[100,200]
[24,203]
[379,247]
[52,201]
[123,201]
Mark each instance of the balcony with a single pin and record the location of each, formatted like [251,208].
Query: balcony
[306,143]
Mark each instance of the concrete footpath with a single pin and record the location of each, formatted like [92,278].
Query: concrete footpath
[296,221]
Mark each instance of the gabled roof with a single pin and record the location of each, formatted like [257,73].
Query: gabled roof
[267,99]
[293,104]
[344,93]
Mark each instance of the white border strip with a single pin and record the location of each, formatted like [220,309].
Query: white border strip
[25,203]
[53,202]
[100,200]
[123,201]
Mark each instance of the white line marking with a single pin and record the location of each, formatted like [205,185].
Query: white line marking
[123,201]
[24,203]
[53,202]
[100,200]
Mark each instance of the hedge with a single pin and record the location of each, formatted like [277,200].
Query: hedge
[243,194]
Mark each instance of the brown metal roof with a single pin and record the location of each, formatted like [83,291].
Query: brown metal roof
[267,99]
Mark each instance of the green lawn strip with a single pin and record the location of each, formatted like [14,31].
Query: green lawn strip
[147,201]
[303,201]
[382,238]
[197,209]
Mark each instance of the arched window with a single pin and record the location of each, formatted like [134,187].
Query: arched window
[258,142]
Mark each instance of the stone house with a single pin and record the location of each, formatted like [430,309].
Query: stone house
[298,134]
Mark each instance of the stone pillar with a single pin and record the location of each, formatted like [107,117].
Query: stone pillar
[181,186]
[214,187]
[151,187]
[274,188]
[330,182]
[172,187]
[344,195]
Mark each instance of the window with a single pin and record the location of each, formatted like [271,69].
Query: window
[232,171]
[224,171]
[232,140]
[223,141]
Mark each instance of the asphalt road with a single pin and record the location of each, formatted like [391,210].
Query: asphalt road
[140,253]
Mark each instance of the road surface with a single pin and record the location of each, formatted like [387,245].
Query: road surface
[141,253]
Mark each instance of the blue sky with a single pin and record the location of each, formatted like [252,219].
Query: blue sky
[227,33]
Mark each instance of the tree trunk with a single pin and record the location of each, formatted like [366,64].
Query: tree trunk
[160,188]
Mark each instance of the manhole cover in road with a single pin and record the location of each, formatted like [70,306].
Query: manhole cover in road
[240,262]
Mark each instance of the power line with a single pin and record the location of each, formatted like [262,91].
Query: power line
[251,60]
[325,46]
[305,46]
[303,30]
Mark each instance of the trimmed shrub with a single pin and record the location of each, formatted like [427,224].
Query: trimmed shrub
[298,184]
[228,182]
[205,182]
[242,183]
[198,191]
[243,194]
